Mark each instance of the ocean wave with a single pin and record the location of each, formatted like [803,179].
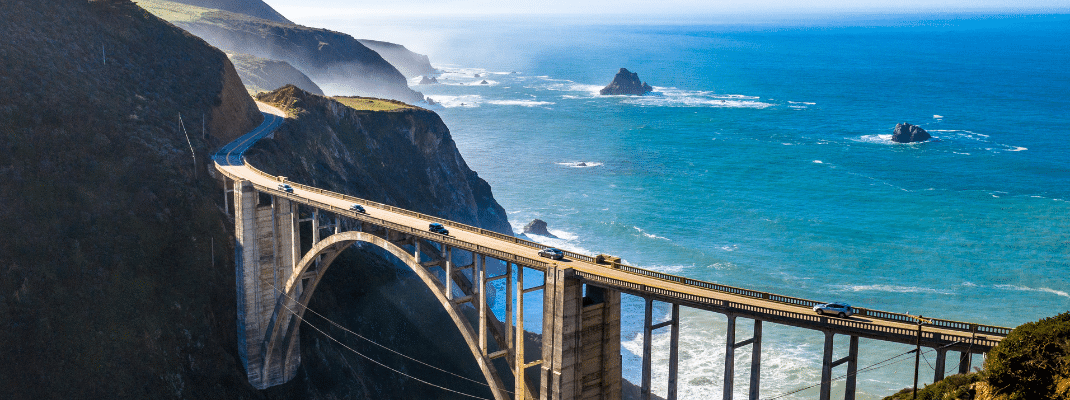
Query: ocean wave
[890,289]
[802,102]
[672,97]
[580,164]
[525,103]
[650,235]
[468,101]
[1029,289]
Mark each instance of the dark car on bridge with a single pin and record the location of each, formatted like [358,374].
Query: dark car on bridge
[552,253]
[840,309]
[357,208]
[438,228]
[286,188]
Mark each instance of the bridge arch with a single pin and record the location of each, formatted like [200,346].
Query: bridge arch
[280,340]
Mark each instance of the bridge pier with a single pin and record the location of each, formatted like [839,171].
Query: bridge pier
[581,340]
[756,356]
[267,248]
[828,364]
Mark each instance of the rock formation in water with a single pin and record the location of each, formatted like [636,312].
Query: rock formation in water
[538,227]
[484,82]
[907,133]
[428,80]
[626,83]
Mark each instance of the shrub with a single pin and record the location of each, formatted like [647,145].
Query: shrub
[1033,362]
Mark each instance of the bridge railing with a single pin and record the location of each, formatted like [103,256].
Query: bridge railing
[800,302]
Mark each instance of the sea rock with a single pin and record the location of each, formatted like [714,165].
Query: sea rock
[484,82]
[626,83]
[907,133]
[538,227]
[428,80]
[475,76]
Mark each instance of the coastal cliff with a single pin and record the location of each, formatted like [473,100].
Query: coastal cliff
[404,157]
[262,75]
[116,274]
[335,61]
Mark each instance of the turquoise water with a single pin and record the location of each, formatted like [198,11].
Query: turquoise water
[762,160]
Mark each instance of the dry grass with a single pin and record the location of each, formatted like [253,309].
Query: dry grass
[371,104]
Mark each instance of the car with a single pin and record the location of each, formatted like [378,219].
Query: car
[438,228]
[552,253]
[357,208]
[286,188]
[840,309]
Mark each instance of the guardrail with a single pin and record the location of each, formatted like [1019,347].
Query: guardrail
[799,302]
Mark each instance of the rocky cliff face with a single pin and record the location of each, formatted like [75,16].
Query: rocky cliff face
[409,63]
[116,275]
[262,75]
[404,157]
[335,61]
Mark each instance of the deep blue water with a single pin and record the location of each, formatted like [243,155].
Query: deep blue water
[762,160]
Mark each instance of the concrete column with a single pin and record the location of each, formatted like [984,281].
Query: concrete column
[315,226]
[941,361]
[518,372]
[730,357]
[852,370]
[756,361]
[481,289]
[644,393]
[826,368]
[965,359]
[449,272]
[674,352]
[509,340]
[247,271]
[562,336]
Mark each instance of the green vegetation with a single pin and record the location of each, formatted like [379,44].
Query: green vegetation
[955,387]
[371,104]
[1033,362]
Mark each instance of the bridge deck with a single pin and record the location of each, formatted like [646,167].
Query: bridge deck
[664,287]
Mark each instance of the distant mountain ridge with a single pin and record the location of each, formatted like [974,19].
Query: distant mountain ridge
[335,61]
[254,8]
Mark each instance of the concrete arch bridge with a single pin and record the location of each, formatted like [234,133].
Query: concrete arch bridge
[580,350]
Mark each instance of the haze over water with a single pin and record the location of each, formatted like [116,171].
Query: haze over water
[763,160]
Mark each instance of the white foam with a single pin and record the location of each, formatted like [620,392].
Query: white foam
[580,164]
[1018,148]
[525,103]
[468,101]
[880,139]
[672,97]
[818,162]
[889,289]
[1029,289]
[650,235]
[937,116]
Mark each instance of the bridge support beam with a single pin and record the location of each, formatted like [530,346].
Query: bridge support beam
[941,360]
[965,359]
[581,340]
[827,364]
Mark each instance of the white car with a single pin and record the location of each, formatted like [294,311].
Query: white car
[840,309]
[552,253]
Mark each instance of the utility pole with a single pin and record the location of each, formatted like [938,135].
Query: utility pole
[917,353]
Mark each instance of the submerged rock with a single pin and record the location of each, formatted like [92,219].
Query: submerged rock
[484,82]
[428,80]
[538,227]
[626,83]
[907,133]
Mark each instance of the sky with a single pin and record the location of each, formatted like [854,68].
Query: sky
[318,9]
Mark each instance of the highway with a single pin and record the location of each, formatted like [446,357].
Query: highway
[873,324]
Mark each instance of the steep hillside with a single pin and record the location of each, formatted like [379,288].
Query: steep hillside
[410,64]
[262,75]
[116,276]
[335,61]
[403,157]
[253,8]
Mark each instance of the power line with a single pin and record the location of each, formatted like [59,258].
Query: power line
[377,344]
[377,362]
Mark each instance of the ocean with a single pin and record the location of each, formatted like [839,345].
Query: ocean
[762,160]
